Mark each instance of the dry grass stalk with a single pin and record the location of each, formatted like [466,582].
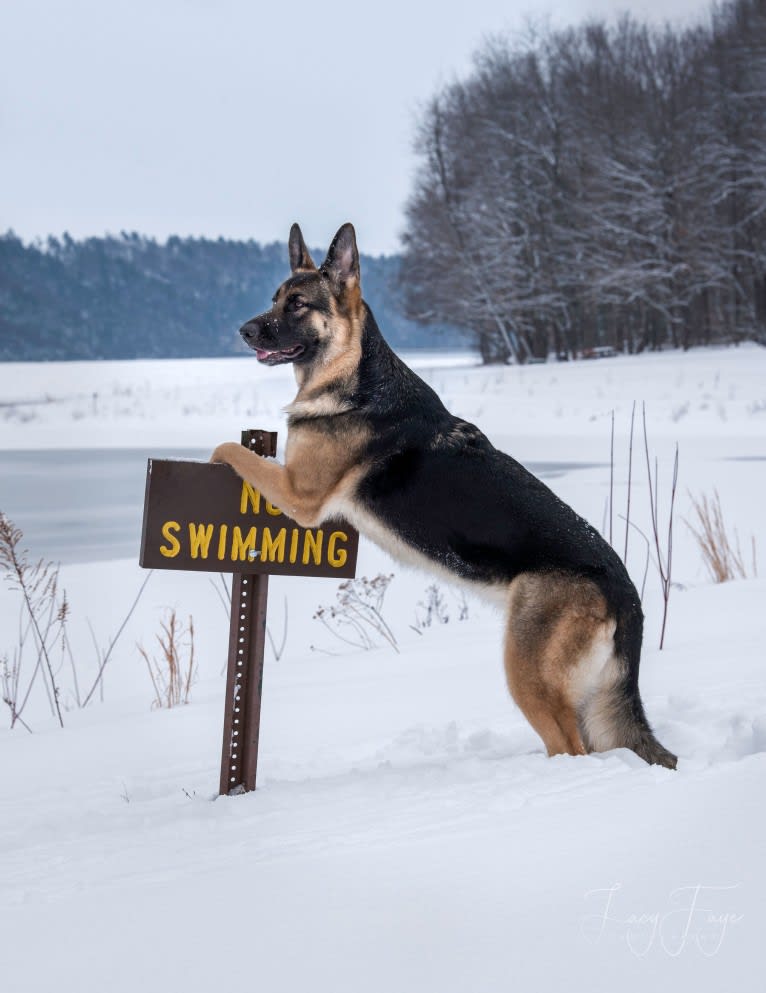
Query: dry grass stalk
[43,626]
[102,657]
[357,616]
[432,610]
[664,559]
[46,614]
[278,649]
[723,559]
[173,674]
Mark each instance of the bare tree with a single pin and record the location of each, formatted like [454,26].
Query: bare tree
[604,185]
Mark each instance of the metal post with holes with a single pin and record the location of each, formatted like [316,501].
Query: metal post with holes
[244,680]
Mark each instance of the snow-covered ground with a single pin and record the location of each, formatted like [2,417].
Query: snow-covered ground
[408,832]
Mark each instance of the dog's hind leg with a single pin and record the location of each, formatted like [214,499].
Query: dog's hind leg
[549,715]
[612,715]
[556,625]
[572,667]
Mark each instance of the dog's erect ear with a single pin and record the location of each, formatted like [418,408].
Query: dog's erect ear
[299,254]
[342,262]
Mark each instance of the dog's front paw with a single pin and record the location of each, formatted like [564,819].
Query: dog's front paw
[224,452]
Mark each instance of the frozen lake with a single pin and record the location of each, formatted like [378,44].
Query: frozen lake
[86,505]
[81,505]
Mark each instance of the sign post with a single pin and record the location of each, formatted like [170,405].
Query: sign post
[244,674]
[201,516]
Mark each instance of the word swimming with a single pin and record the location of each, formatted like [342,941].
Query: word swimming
[237,544]
[202,517]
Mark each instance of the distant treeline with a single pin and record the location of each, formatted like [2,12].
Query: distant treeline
[599,186]
[132,297]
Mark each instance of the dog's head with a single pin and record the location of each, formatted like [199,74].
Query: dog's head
[315,314]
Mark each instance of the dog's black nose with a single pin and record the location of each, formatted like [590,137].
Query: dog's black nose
[250,329]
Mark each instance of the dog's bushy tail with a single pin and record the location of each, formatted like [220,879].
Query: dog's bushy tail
[614,716]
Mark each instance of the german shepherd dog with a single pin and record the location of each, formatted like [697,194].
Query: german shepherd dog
[368,440]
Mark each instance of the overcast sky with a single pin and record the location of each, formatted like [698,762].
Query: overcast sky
[235,118]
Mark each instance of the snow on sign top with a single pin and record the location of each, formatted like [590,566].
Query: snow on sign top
[202,517]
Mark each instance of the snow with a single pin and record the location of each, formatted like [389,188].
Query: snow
[408,832]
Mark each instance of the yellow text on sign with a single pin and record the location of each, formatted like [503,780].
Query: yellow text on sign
[280,545]
[251,499]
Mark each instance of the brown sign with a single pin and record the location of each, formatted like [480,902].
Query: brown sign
[202,517]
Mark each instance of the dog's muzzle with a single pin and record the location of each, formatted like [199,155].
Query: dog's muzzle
[261,335]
